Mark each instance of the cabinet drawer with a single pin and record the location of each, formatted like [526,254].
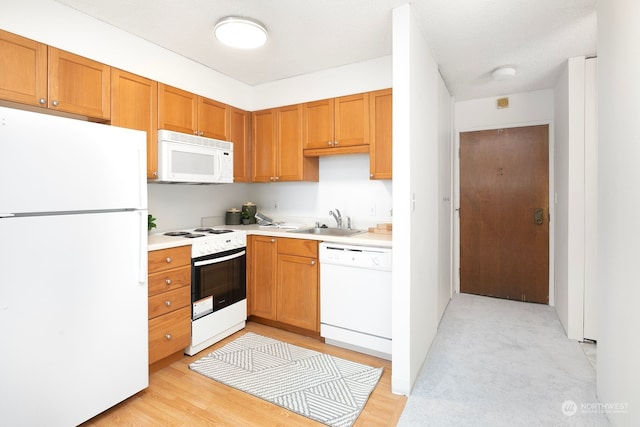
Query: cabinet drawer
[169,333]
[169,301]
[169,280]
[300,247]
[165,259]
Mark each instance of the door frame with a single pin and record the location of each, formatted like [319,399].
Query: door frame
[456,198]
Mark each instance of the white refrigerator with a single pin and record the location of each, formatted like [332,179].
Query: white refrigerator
[73,267]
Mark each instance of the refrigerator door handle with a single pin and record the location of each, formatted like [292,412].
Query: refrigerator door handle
[142,246]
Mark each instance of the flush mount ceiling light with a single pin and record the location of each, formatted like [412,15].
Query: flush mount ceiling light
[503,73]
[241,33]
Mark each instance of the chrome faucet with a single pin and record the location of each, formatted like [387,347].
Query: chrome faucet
[338,217]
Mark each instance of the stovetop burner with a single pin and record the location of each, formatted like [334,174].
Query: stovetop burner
[212,231]
[176,233]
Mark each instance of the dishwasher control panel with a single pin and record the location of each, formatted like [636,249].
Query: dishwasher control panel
[356,256]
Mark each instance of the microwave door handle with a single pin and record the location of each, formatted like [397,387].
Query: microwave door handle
[218,169]
[217,260]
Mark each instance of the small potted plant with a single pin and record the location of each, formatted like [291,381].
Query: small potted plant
[151,222]
[246,219]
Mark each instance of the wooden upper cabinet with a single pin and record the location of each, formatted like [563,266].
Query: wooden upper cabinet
[177,109]
[263,146]
[79,85]
[239,134]
[182,111]
[351,123]
[213,119]
[318,124]
[337,126]
[134,105]
[381,147]
[23,70]
[277,146]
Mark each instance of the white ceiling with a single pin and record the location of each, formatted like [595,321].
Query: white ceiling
[468,38]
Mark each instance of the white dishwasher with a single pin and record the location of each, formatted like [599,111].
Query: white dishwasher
[355,298]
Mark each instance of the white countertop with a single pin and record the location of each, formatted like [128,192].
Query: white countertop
[160,241]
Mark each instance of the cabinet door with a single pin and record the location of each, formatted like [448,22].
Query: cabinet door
[351,120]
[213,119]
[134,105]
[381,147]
[177,109]
[79,85]
[297,292]
[261,298]
[264,146]
[318,124]
[289,143]
[23,70]
[240,136]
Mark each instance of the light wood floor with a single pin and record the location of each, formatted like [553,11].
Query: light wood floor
[176,396]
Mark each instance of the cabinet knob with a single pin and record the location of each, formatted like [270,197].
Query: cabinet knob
[313,262]
[42,101]
[54,103]
[329,143]
[370,175]
[277,178]
[168,259]
[335,142]
[167,281]
[201,133]
[167,303]
[155,173]
[195,132]
[167,336]
[273,240]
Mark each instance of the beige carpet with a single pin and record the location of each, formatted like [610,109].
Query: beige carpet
[503,363]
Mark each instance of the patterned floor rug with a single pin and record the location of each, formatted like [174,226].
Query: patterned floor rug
[324,388]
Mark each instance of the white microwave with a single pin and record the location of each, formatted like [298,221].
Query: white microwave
[193,159]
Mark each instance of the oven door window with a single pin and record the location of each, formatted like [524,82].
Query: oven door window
[221,276]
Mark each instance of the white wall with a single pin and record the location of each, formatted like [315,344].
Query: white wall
[525,109]
[445,191]
[618,373]
[570,194]
[344,184]
[415,200]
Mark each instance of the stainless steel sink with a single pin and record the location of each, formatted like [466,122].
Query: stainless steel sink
[341,232]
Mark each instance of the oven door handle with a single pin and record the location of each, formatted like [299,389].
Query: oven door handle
[217,260]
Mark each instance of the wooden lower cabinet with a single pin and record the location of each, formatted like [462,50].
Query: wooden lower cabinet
[169,304]
[284,283]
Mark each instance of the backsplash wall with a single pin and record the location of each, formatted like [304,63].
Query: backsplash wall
[344,184]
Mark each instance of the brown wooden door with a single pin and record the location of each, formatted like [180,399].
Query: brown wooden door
[134,105]
[504,178]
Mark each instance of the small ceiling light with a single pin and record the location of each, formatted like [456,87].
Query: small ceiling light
[503,73]
[241,33]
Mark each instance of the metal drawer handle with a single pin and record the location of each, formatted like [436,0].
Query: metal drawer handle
[167,303]
[168,336]
[167,281]
[168,259]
